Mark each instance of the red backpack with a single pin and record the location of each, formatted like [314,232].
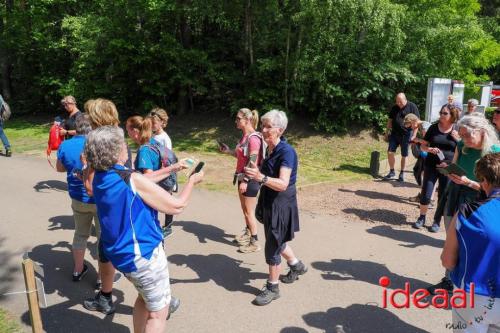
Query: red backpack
[55,140]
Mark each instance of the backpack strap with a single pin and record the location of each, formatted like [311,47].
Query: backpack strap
[124,174]
[245,144]
[162,151]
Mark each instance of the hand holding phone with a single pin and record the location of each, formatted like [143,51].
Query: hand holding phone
[197,168]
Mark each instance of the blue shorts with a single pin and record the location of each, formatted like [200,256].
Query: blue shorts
[398,140]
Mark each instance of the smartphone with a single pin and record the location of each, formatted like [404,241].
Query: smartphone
[452,169]
[440,155]
[253,158]
[197,168]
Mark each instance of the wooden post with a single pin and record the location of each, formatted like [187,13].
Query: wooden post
[29,280]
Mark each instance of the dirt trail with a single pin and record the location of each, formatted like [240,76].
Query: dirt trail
[345,253]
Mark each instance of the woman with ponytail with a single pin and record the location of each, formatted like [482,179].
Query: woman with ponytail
[250,149]
[148,159]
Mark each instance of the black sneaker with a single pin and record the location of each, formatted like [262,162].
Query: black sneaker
[294,272]
[390,175]
[269,293]
[167,231]
[419,223]
[401,177]
[445,284]
[100,303]
[79,276]
[174,305]
[8,152]
[434,227]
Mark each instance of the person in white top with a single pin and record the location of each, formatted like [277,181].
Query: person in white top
[160,121]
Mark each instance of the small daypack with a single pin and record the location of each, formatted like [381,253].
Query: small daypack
[263,145]
[5,111]
[55,140]
[167,158]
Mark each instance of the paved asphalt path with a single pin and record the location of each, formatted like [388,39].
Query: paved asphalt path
[215,283]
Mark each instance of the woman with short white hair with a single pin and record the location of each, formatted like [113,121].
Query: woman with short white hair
[131,236]
[277,204]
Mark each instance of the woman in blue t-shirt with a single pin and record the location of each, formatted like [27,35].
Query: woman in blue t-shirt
[130,235]
[277,204]
[472,252]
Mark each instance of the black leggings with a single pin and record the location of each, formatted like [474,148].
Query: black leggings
[431,175]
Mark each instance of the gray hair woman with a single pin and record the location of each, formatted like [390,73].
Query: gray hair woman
[131,236]
[277,204]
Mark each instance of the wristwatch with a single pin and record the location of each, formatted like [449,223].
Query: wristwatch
[264,180]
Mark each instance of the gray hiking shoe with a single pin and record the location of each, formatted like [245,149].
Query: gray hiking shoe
[269,293]
[294,272]
[174,305]
[100,303]
[244,238]
[251,246]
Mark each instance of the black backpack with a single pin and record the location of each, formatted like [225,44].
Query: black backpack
[167,158]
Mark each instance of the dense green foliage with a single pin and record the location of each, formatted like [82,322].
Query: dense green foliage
[339,62]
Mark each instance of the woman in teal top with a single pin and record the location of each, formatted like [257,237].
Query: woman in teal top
[478,138]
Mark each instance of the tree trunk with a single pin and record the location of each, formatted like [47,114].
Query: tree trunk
[248,31]
[5,62]
[184,93]
[287,57]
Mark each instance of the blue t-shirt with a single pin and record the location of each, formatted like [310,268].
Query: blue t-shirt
[147,158]
[283,155]
[130,229]
[478,234]
[69,154]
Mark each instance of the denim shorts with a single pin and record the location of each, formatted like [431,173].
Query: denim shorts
[399,140]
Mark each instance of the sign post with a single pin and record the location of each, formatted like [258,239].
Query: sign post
[31,293]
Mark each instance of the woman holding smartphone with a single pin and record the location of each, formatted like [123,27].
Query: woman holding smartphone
[439,142]
[249,148]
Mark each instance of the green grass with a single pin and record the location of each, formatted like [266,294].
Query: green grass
[322,158]
[27,136]
[7,324]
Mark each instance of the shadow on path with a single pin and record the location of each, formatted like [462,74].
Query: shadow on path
[205,232]
[8,271]
[413,238]
[366,271]
[378,215]
[378,195]
[70,315]
[223,270]
[45,186]
[62,222]
[358,318]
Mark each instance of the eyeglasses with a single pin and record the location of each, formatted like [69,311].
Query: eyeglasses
[444,113]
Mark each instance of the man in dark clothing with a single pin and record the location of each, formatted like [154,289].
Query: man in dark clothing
[399,135]
[69,126]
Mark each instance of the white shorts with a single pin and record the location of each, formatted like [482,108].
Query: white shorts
[152,280]
[483,318]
